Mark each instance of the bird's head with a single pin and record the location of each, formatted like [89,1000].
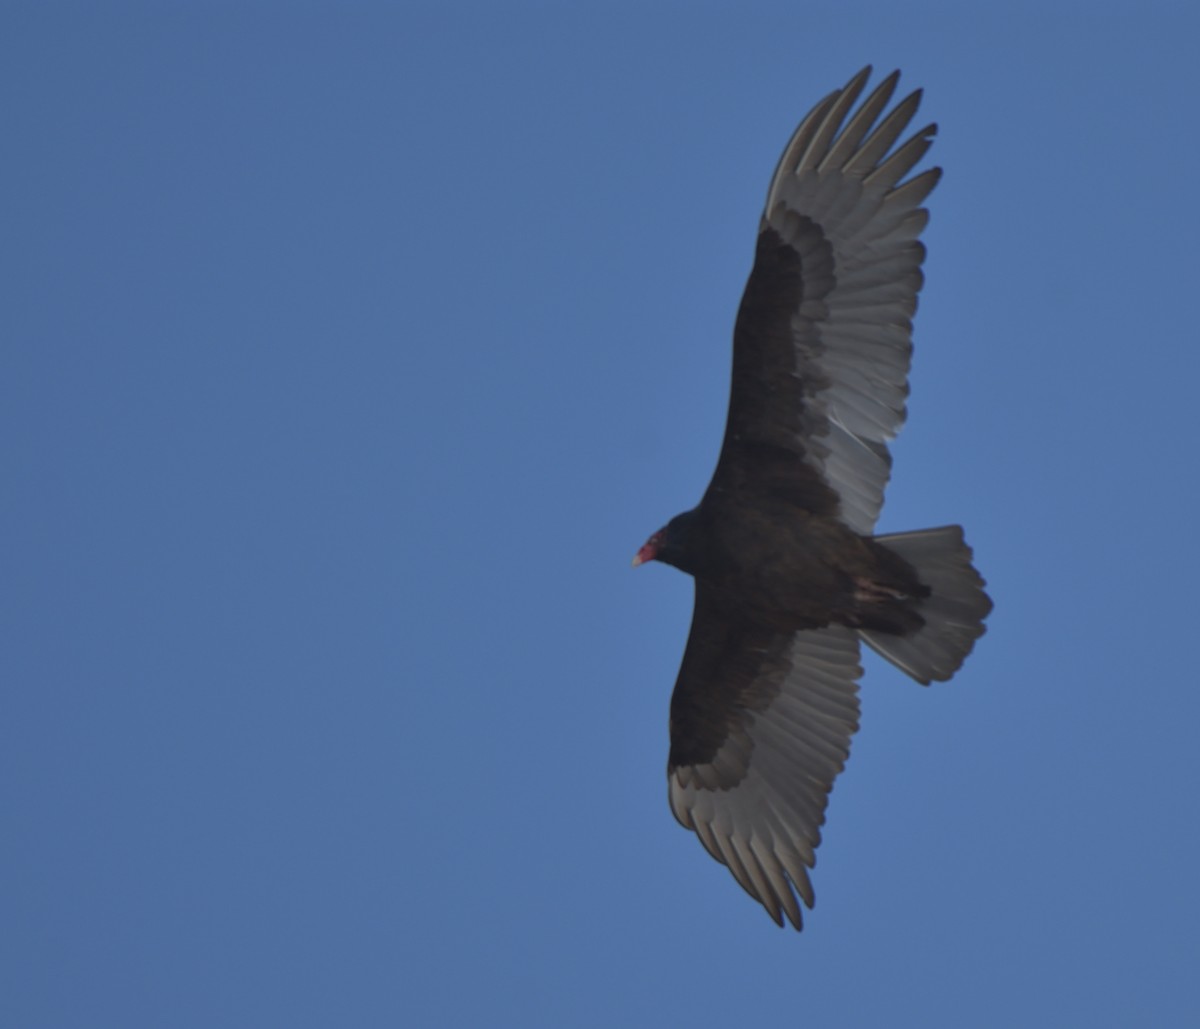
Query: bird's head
[670,544]
[650,549]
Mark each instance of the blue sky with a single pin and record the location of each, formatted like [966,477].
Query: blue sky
[349,354]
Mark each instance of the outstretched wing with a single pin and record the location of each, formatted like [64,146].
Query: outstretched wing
[760,727]
[823,340]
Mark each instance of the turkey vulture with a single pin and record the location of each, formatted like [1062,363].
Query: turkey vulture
[788,575]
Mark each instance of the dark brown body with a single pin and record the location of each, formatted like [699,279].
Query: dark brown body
[788,569]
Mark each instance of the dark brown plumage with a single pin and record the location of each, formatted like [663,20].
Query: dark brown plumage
[789,577]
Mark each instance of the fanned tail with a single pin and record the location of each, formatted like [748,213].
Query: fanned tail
[953,612]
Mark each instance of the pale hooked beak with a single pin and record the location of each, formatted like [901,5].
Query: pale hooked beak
[647,553]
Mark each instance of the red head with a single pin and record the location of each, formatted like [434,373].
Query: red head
[680,543]
[649,549]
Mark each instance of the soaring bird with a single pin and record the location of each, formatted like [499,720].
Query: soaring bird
[789,577]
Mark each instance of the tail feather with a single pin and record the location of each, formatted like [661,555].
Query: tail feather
[953,612]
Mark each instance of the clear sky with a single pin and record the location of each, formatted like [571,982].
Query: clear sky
[347,355]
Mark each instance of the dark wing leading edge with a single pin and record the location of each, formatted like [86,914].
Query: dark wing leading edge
[823,339]
[760,727]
